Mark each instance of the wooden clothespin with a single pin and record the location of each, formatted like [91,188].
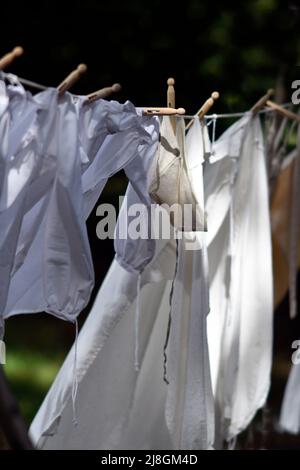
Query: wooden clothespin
[265,101]
[72,78]
[262,101]
[283,111]
[7,59]
[103,93]
[171,100]
[205,107]
[170,110]
[163,111]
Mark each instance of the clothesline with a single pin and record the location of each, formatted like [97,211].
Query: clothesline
[231,115]
[32,84]
[24,81]
[38,86]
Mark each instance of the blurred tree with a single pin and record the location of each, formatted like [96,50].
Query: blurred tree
[237,48]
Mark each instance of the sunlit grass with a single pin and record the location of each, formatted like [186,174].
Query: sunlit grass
[30,376]
[38,370]
[36,346]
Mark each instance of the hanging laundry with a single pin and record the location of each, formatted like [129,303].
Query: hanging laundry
[106,371]
[4,129]
[68,274]
[276,132]
[240,322]
[170,183]
[290,410]
[281,226]
[202,298]
[20,169]
[28,292]
[134,254]
[286,215]
[284,183]
[294,232]
[189,404]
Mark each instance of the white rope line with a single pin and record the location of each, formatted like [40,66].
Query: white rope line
[229,115]
[216,116]
[32,84]
[24,81]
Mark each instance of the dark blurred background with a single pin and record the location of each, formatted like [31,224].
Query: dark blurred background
[238,48]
